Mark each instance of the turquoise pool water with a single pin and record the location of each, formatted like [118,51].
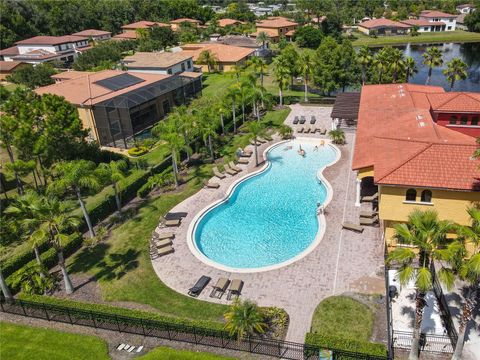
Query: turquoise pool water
[271,217]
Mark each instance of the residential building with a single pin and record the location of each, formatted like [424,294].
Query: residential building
[412,161]
[434,16]
[276,27]
[164,62]
[244,41]
[383,27]
[226,56]
[229,22]
[40,49]
[460,23]
[142,25]
[69,75]
[466,8]
[7,67]
[424,25]
[126,35]
[95,35]
[178,22]
[115,106]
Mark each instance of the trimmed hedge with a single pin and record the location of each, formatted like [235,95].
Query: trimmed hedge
[13,263]
[50,300]
[333,342]
[137,151]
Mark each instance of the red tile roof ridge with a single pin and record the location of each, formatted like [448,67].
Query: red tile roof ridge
[454,96]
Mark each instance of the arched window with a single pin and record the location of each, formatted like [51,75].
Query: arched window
[411,195]
[426,196]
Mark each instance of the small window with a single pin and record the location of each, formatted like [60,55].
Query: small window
[189,64]
[453,119]
[475,120]
[464,120]
[169,71]
[183,67]
[411,195]
[426,196]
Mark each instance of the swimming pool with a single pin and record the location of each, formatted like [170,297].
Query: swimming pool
[269,218]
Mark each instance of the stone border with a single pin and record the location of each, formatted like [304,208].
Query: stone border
[320,217]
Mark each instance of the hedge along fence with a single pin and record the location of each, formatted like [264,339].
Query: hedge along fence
[333,342]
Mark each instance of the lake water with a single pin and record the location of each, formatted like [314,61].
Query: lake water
[469,53]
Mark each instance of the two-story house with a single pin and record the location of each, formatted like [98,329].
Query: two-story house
[438,17]
[95,35]
[276,27]
[466,8]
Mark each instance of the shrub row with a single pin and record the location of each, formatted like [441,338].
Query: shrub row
[138,314]
[353,345]
[13,263]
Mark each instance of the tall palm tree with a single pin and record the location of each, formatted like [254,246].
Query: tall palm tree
[114,171]
[8,124]
[237,71]
[306,66]
[168,132]
[255,130]
[206,57]
[364,59]
[259,66]
[381,62]
[397,63]
[427,233]
[244,318]
[410,68]
[77,175]
[432,58]
[3,284]
[55,221]
[232,96]
[208,125]
[262,38]
[456,70]
[243,93]
[221,109]
[282,74]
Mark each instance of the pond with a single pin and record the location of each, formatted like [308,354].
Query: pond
[468,52]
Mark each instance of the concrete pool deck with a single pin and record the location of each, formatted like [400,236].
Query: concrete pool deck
[342,261]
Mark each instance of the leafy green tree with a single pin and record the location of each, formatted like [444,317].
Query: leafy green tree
[244,318]
[414,31]
[346,73]
[307,65]
[239,10]
[472,21]
[328,60]
[114,171]
[4,93]
[208,58]
[259,66]
[432,58]
[410,68]
[106,52]
[8,126]
[77,176]
[255,130]
[33,76]
[281,71]
[21,169]
[456,70]
[34,279]
[364,59]
[208,125]
[428,234]
[308,37]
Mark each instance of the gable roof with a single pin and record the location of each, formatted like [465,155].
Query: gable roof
[455,101]
[182,20]
[421,22]
[224,53]
[144,24]
[51,40]
[8,66]
[70,74]
[435,14]
[156,59]
[126,35]
[92,32]
[379,23]
[13,50]
[228,22]
[275,22]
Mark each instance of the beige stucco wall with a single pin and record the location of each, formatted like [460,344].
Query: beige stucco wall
[88,121]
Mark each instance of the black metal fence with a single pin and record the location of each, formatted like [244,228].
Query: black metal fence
[178,332]
[428,342]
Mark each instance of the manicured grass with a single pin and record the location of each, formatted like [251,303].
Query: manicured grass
[25,342]
[216,84]
[123,267]
[12,86]
[439,37]
[343,317]
[166,353]
[155,156]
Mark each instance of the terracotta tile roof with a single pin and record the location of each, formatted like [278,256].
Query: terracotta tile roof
[143,25]
[455,101]
[224,53]
[13,50]
[379,23]
[395,127]
[191,74]
[92,32]
[38,54]
[435,14]
[290,33]
[83,90]
[463,6]
[8,66]
[126,35]
[421,22]
[182,20]
[229,22]
[272,33]
[275,23]
[51,40]
[68,75]
[156,59]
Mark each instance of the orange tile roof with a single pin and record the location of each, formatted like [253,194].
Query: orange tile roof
[182,20]
[8,66]
[83,90]
[455,101]
[224,53]
[155,59]
[68,75]
[275,22]
[13,50]
[51,40]
[435,14]
[126,35]
[143,25]
[421,22]
[378,23]
[395,129]
[92,32]
[270,32]
[228,22]
[38,54]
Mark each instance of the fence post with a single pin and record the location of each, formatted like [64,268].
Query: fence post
[118,323]
[249,343]
[168,332]
[46,312]
[221,338]
[195,334]
[69,317]
[23,308]
[143,327]
[93,319]
[1,305]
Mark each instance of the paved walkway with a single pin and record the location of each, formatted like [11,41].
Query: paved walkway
[343,261]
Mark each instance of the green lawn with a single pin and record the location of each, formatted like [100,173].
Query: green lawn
[166,353]
[25,342]
[343,317]
[439,37]
[123,267]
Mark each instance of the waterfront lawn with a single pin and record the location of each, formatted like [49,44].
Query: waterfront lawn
[122,266]
[457,36]
[26,342]
[166,353]
[343,317]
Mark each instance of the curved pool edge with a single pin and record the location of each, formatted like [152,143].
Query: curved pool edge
[320,218]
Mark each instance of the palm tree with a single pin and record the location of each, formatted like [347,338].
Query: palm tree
[428,234]
[397,63]
[237,71]
[456,70]
[232,96]
[114,171]
[364,59]
[8,124]
[262,38]
[208,125]
[222,110]
[255,130]
[260,67]
[168,132]
[77,175]
[410,68]
[307,65]
[432,58]
[244,318]
[4,287]
[381,62]
[337,136]
[55,221]
[282,74]
[206,57]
